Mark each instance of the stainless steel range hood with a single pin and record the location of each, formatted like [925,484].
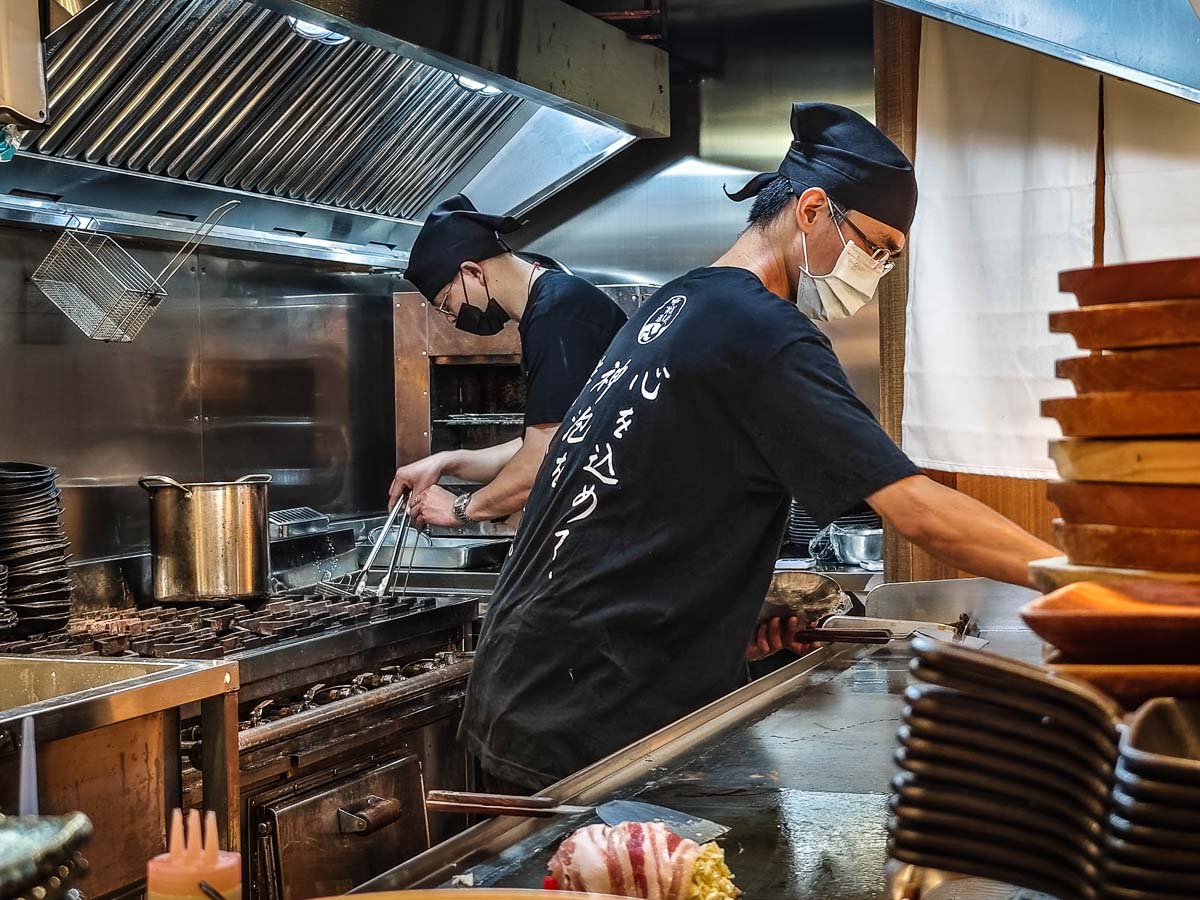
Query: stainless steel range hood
[1149,42]
[161,109]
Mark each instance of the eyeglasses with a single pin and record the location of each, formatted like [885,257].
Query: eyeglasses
[443,307]
[841,215]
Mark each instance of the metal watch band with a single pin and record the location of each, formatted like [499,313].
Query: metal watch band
[460,507]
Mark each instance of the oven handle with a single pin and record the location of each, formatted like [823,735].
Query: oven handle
[367,816]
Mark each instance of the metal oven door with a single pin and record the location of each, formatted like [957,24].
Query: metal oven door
[334,837]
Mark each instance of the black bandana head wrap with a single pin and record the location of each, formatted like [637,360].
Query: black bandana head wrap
[454,233]
[836,149]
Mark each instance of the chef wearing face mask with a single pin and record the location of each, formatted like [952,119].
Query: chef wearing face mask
[632,593]
[468,273]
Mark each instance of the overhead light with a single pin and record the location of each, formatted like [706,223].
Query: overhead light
[478,87]
[317,33]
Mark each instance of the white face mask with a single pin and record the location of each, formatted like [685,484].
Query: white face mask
[848,288]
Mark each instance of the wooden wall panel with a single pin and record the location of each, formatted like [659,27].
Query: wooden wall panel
[897,62]
[897,67]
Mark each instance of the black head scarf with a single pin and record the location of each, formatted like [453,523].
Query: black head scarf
[836,149]
[454,233]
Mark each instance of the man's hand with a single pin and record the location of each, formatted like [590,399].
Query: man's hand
[434,507]
[775,635]
[416,477]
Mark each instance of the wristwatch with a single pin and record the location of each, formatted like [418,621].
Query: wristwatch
[460,507]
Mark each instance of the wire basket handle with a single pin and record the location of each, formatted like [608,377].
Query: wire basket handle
[202,231]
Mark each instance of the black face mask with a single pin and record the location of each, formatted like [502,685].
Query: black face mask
[473,320]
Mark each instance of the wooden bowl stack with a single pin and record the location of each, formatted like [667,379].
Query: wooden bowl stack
[1130,458]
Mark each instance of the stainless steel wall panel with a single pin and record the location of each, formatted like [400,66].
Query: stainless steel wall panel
[102,413]
[247,366]
[297,381]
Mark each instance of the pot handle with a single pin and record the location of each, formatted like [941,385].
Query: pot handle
[254,479]
[157,481]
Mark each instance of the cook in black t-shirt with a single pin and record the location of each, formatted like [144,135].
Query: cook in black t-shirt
[469,275]
[636,581]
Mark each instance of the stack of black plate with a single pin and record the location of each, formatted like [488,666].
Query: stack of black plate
[1154,829]
[1006,774]
[34,547]
[40,857]
[8,618]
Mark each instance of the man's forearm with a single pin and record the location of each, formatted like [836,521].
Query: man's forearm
[960,531]
[481,466]
[508,491]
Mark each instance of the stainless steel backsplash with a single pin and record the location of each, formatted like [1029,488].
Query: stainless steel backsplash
[249,365]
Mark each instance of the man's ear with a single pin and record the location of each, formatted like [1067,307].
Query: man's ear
[472,269]
[810,206]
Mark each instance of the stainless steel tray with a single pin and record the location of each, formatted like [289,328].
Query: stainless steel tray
[434,552]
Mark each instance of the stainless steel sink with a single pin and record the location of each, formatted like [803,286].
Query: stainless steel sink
[107,738]
[67,696]
[26,680]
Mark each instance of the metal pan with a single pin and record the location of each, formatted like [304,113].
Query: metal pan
[442,552]
[810,596]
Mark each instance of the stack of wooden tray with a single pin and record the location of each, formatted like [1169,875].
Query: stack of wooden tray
[1129,463]
[1130,458]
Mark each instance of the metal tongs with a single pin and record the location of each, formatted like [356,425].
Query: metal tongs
[400,509]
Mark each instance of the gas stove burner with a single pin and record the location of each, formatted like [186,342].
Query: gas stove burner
[204,632]
[321,694]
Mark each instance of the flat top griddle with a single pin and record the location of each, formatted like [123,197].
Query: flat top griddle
[802,779]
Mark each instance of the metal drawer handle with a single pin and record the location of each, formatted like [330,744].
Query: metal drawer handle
[369,815]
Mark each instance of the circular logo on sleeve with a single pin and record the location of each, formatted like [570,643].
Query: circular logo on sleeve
[662,319]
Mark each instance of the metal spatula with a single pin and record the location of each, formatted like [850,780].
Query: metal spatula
[613,813]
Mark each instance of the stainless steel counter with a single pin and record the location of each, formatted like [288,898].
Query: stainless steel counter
[797,764]
[107,737]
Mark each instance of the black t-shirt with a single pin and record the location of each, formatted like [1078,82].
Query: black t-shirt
[651,533]
[567,325]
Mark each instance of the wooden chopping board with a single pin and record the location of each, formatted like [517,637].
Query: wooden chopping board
[1142,462]
[1136,505]
[1116,326]
[1131,282]
[1150,586]
[1120,546]
[1159,369]
[1127,413]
